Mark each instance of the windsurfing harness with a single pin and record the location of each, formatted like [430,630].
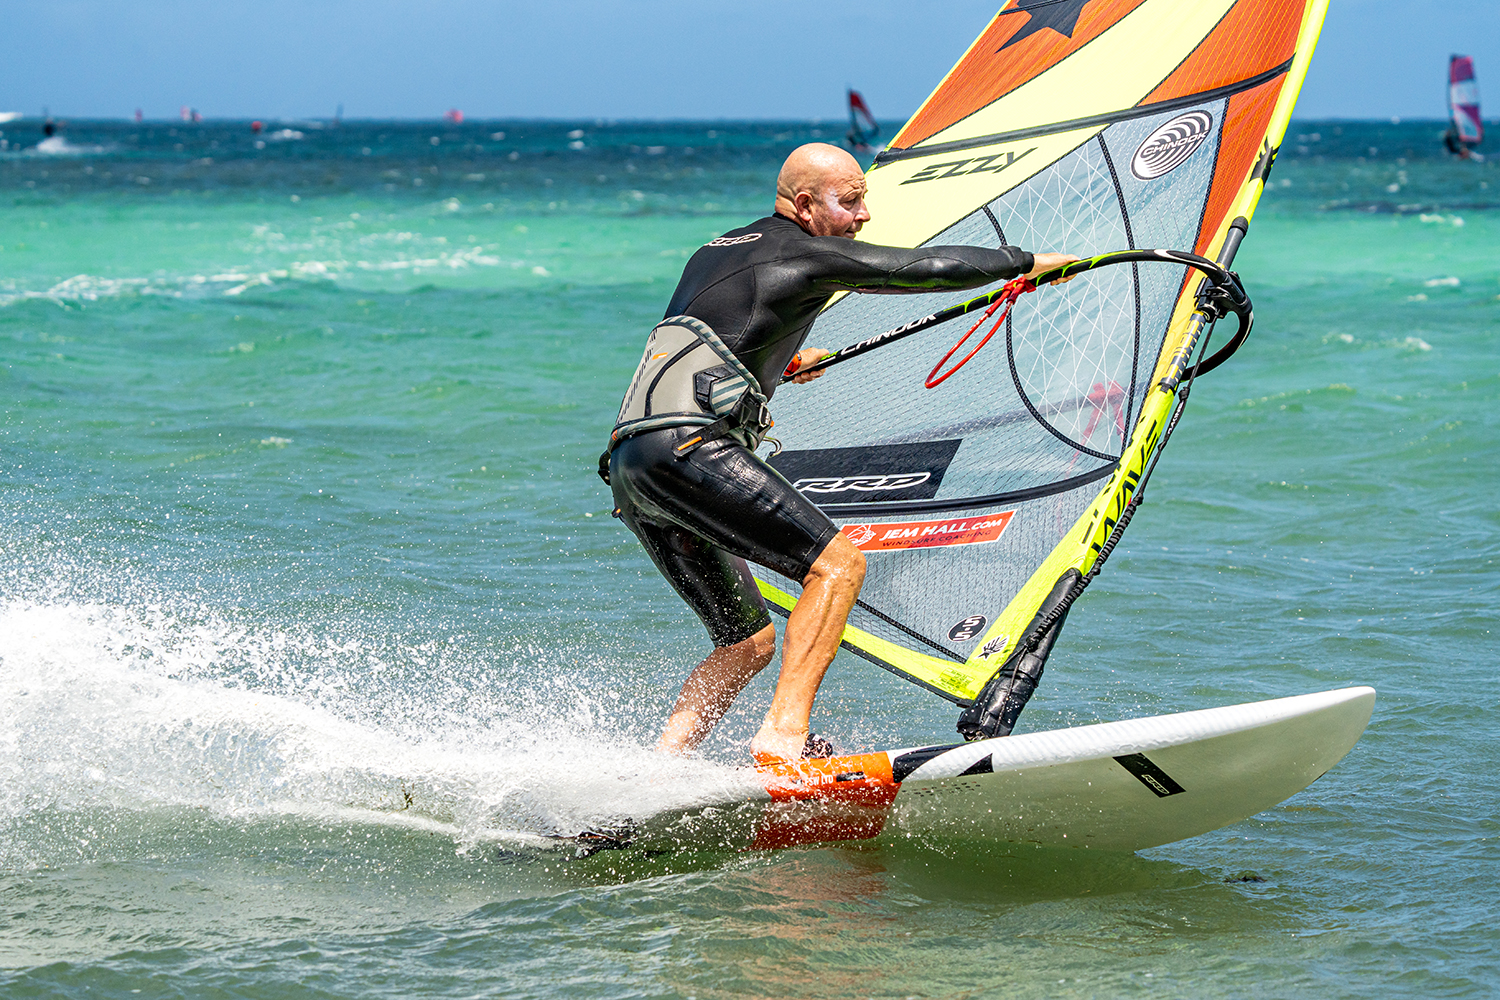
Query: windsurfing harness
[688,377]
[982,504]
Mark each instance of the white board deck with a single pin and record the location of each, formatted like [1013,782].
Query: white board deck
[1118,786]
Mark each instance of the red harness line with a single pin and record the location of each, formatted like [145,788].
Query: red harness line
[1008,294]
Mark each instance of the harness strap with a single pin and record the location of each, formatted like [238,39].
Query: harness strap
[747,415]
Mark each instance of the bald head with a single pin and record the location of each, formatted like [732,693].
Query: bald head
[822,188]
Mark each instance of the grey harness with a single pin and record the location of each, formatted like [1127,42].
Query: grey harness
[688,377]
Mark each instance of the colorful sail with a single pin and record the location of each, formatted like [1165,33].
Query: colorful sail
[863,128]
[1079,126]
[1463,101]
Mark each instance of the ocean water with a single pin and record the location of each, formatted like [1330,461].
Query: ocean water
[314,624]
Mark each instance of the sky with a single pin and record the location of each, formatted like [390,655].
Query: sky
[615,58]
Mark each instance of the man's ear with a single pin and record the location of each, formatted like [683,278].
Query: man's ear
[803,203]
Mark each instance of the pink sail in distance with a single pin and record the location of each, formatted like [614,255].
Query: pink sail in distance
[1463,100]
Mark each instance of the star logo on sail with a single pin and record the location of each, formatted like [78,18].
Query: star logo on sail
[1059,15]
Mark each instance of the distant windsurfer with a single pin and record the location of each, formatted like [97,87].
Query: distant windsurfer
[863,128]
[1465,122]
[682,465]
[1456,146]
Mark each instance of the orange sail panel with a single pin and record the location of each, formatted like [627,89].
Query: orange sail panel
[1255,37]
[1238,151]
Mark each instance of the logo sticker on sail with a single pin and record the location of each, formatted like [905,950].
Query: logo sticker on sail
[1168,147]
[995,645]
[994,163]
[865,484]
[968,628]
[927,534]
[883,474]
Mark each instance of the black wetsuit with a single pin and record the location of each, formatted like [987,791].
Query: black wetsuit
[703,514]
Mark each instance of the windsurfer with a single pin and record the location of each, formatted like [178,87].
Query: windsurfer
[1456,146]
[690,486]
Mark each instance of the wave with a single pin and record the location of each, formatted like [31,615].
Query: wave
[91,288]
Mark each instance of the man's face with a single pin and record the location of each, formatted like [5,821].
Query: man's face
[839,209]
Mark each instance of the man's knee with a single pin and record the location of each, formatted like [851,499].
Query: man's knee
[839,560]
[759,649]
[763,646]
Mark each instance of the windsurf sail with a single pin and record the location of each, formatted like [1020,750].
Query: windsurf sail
[1463,101]
[863,128]
[1078,126]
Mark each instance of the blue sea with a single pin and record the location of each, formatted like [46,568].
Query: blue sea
[314,624]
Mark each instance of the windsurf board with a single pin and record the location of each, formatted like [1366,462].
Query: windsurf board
[1117,786]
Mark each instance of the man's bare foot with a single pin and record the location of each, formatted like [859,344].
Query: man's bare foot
[772,747]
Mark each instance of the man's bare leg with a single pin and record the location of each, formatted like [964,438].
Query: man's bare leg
[711,687]
[812,638]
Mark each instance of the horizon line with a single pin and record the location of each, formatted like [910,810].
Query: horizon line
[598,121]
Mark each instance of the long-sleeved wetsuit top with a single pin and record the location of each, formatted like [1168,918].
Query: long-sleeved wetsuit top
[760,287]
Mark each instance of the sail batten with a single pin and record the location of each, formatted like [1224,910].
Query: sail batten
[1081,126]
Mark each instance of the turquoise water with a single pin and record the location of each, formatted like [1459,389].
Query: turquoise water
[313,620]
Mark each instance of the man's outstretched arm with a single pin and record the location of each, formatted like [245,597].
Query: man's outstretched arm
[864,267]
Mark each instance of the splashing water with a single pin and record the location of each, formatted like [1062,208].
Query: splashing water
[108,708]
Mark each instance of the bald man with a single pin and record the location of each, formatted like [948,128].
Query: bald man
[682,462]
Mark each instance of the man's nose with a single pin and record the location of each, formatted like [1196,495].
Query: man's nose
[862,213]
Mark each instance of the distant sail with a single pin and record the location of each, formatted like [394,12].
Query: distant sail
[1072,125]
[1463,101]
[863,128]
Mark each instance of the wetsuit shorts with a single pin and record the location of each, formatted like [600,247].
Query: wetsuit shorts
[703,516]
